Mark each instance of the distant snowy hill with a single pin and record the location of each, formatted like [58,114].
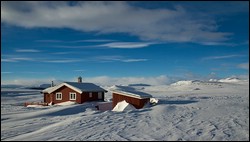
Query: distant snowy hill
[12,86]
[141,84]
[189,82]
[230,79]
[185,82]
[15,87]
[45,85]
[40,87]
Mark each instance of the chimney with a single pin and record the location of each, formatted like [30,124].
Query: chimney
[52,83]
[79,79]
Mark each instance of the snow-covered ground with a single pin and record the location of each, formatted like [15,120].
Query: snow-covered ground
[187,110]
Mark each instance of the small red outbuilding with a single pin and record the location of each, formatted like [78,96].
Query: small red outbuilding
[137,99]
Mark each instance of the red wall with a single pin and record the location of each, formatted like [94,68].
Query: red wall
[65,95]
[86,98]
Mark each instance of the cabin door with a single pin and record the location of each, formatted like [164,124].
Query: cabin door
[99,95]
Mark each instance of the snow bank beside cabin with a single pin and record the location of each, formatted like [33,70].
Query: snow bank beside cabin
[123,105]
[66,103]
[35,106]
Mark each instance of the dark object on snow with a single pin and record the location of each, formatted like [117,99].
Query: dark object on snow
[197,89]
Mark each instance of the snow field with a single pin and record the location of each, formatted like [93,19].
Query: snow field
[217,111]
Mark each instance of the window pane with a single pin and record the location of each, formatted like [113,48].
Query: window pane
[72,96]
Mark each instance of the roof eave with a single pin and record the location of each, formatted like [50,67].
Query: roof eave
[71,87]
[65,84]
[130,95]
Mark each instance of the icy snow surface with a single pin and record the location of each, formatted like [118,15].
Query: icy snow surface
[188,110]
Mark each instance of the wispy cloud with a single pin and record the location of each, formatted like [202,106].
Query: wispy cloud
[221,57]
[111,45]
[117,58]
[27,50]
[72,46]
[178,24]
[6,72]
[127,44]
[80,70]
[16,59]
[63,53]
[76,41]
[243,66]
[33,72]
[45,60]
[93,40]
[218,43]
[8,60]
[62,61]
[135,60]
[50,41]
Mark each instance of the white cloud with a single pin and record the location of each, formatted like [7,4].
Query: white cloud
[80,70]
[71,46]
[76,41]
[62,61]
[32,72]
[27,50]
[221,57]
[45,60]
[171,25]
[6,72]
[62,53]
[17,59]
[126,44]
[93,40]
[217,43]
[244,66]
[113,58]
[51,41]
[134,60]
[8,60]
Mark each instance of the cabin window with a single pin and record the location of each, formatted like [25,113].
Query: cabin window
[58,96]
[72,96]
[90,94]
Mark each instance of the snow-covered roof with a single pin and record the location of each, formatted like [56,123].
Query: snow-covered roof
[134,94]
[79,87]
[48,89]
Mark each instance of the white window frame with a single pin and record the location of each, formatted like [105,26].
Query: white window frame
[72,98]
[99,95]
[90,94]
[58,98]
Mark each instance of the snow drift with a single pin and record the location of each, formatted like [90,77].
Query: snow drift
[123,106]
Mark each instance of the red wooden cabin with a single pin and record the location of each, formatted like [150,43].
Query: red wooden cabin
[73,91]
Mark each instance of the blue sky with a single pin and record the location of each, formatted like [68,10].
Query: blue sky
[133,40]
